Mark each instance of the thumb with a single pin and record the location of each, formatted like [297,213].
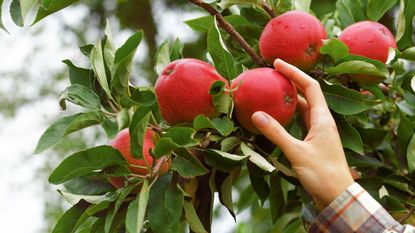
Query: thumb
[274,131]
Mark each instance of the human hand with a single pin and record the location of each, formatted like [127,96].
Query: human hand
[319,160]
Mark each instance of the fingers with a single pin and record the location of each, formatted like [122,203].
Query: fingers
[309,86]
[271,129]
[304,110]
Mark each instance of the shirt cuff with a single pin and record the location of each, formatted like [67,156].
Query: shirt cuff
[354,210]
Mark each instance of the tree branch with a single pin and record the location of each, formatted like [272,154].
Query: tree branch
[407,215]
[268,9]
[231,31]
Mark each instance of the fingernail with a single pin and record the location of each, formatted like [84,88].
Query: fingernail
[260,119]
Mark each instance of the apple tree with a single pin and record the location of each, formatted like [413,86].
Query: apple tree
[173,146]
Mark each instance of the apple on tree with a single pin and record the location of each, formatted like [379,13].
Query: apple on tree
[137,166]
[369,39]
[295,37]
[263,89]
[182,90]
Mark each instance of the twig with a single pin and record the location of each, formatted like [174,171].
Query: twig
[268,9]
[232,32]
[407,215]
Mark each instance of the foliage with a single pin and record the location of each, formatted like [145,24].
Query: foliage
[376,125]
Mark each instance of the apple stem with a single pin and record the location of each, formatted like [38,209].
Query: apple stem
[268,9]
[225,25]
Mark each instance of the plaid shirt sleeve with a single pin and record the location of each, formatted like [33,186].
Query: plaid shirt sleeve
[356,211]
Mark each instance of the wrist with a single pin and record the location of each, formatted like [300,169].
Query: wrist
[331,190]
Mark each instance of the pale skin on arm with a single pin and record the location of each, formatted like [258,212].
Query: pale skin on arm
[318,160]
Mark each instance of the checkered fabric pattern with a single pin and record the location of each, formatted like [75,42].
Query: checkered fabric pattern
[356,211]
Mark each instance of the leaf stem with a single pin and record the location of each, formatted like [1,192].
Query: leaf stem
[231,31]
[407,215]
[267,8]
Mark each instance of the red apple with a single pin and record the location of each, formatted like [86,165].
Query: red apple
[182,90]
[295,37]
[369,39]
[122,143]
[263,89]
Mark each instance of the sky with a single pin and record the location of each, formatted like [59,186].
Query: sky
[21,205]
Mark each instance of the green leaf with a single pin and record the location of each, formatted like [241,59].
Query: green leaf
[67,222]
[229,143]
[222,58]
[16,13]
[176,137]
[363,161]
[343,100]
[187,165]
[257,159]
[223,125]
[335,49]
[302,5]
[53,6]
[404,133]
[353,64]
[165,205]
[409,54]
[259,185]
[98,65]
[410,154]
[222,101]
[113,210]
[350,137]
[87,186]
[65,126]
[201,24]
[405,29]
[176,51]
[1,18]
[78,75]
[376,9]
[224,186]
[80,95]
[162,57]
[138,128]
[224,161]
[191,218]
[276,198]
[224,4]
[137,210]
[123,63]
[350,11]
[85,162]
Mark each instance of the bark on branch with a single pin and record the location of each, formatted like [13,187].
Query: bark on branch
[231,31]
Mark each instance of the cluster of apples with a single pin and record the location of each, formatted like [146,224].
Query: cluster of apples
[182,88]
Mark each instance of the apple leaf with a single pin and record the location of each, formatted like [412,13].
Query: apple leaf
[376,9]
[187,165]
[69,219]
[162,57]
[405,28]
[259,185]
[78,75]
[335,49]
[350,11]
[223,125]
[52,7]
[176,51]
[176,137]
[86,162]
[137,210]
[343,100]
[224,161]
[301,5]
[257,159]
[123,61]
[65,126]
[222,58]
[223,183]
[277,202]
[98,65]
[353,64]
[404,133]
[1,18]
[201,24]
[138,128]
[165,205]
[80,95]
[87,186]
[192,218]
[229,143]
[114,209]
[350,137]
[410,154]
